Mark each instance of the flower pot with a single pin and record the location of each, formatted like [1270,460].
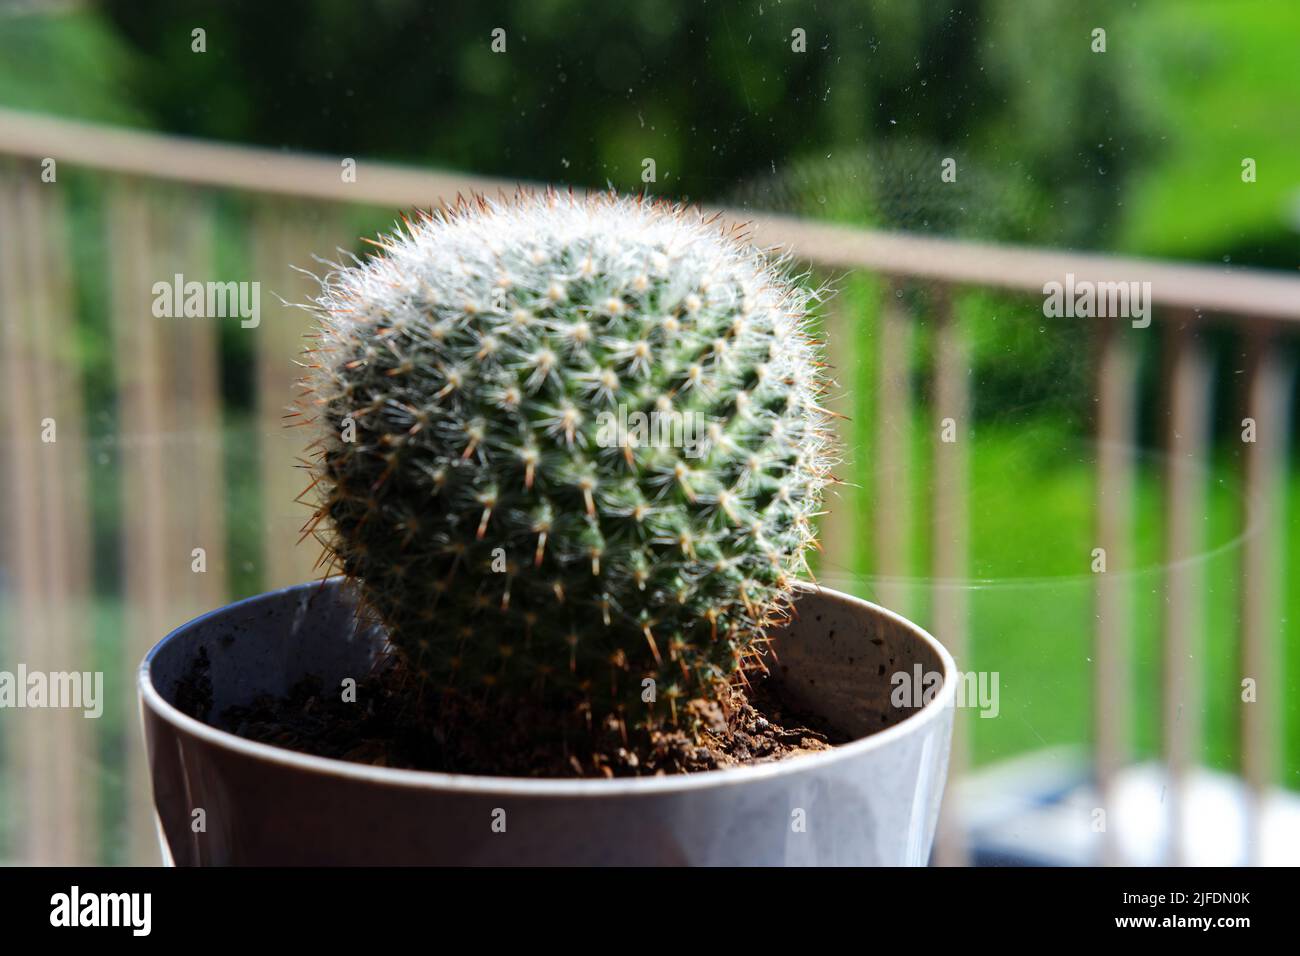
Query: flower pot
[874,800]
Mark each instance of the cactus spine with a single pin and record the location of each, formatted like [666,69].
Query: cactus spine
[568,445]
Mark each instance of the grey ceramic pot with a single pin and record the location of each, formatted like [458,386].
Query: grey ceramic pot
[872,801]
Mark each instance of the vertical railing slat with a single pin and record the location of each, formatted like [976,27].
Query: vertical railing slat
[892,492]
[24,538]
[193,463]
[49,554]
[283,239]
[44,649]
[1185,510]
[1267,387]
[1112,639]
[950,531]
[67,645]
[149,567]
[838,528]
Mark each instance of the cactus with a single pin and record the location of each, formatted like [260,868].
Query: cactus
[568,444]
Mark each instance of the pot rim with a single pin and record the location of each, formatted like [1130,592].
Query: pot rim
[551,786]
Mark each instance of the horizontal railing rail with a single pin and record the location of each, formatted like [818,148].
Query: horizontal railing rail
[1208,288]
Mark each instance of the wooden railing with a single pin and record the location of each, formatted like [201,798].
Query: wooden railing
[157,197]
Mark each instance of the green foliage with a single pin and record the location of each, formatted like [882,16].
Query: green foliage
[64,60]
[569,444]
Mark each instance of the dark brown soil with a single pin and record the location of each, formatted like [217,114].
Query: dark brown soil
[382,728]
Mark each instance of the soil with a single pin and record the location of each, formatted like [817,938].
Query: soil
[383,728]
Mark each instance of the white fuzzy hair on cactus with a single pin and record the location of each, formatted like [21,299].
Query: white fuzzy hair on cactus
[509,545]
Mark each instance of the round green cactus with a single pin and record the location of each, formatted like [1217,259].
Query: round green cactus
[569,446]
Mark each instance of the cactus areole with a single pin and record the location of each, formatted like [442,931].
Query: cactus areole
[570,448]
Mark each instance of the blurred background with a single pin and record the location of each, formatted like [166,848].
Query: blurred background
[1077,506]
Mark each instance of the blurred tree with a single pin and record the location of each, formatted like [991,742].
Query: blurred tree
[717,94]
[841,110]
